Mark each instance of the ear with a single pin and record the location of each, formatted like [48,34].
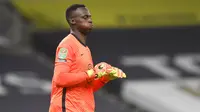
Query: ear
[72,21]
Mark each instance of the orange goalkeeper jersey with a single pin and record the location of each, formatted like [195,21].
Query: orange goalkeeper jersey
[72,89]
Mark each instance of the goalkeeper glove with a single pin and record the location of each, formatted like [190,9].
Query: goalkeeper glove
[101,69]
[115,72]
[91,73]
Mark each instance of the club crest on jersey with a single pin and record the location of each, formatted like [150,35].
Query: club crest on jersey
[62,54]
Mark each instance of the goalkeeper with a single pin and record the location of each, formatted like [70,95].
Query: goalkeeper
[75,79]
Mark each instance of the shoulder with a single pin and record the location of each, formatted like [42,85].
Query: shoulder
[68,43]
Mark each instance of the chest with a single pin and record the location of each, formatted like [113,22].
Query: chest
[84,58]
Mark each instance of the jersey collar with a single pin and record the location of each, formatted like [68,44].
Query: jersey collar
[78,39]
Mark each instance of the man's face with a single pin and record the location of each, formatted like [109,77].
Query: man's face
[82,19]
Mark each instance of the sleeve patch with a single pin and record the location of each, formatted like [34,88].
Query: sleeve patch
[62,54]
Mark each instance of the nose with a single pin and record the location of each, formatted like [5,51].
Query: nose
[90,20]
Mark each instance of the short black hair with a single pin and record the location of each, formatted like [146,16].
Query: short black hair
[72,8]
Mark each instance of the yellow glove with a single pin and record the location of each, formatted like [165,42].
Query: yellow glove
[101,69]
[115,72]
[91,73]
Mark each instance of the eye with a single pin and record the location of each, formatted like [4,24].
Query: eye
[85,17]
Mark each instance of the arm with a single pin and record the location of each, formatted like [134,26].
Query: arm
[62,75]
[99,83]
[63,78]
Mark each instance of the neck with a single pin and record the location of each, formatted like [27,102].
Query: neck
[82,37]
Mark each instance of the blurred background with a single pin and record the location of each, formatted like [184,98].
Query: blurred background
[157,43]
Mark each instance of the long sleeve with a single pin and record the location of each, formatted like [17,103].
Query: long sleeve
[99,83]
[64,61]
[63,78]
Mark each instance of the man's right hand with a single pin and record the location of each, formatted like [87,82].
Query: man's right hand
[101,69]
